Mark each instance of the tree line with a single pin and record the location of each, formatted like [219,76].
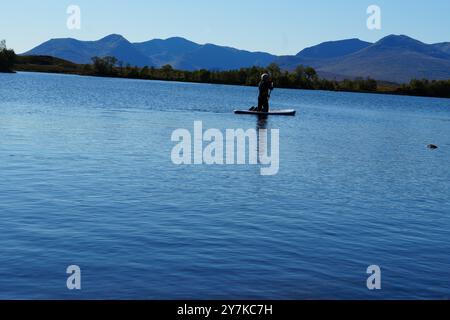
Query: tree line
[427,88]
[301,78]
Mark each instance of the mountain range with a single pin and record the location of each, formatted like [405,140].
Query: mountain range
[178,52]
[396,58]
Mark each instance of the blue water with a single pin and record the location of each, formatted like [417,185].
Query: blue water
[86,178]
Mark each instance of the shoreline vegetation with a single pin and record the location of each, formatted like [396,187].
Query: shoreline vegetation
[7,58]
[301,78]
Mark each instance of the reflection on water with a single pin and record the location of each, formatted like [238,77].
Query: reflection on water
[261,131]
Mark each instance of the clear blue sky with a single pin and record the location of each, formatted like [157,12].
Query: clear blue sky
[278,26]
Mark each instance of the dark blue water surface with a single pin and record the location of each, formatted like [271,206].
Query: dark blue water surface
[86,178]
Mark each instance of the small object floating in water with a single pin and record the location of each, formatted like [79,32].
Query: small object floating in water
[432,146]
[287,112]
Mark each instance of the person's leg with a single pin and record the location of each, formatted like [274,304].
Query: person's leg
[266,105]
[260,104]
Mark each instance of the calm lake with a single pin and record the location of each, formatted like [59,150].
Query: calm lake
[86,178]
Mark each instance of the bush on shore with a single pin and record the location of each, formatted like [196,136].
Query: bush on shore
[7,58]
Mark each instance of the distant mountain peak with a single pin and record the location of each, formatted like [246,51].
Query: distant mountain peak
[398,40]
[181,39]
[113,38]
[402,43]
[334,49]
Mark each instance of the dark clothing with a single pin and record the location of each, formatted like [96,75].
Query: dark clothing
[265,87]
[263,104]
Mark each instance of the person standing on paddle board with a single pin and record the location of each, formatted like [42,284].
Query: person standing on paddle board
[265,89]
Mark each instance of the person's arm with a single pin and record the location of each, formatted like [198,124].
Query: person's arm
[270,89]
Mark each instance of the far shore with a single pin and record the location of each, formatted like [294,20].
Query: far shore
[302,78]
